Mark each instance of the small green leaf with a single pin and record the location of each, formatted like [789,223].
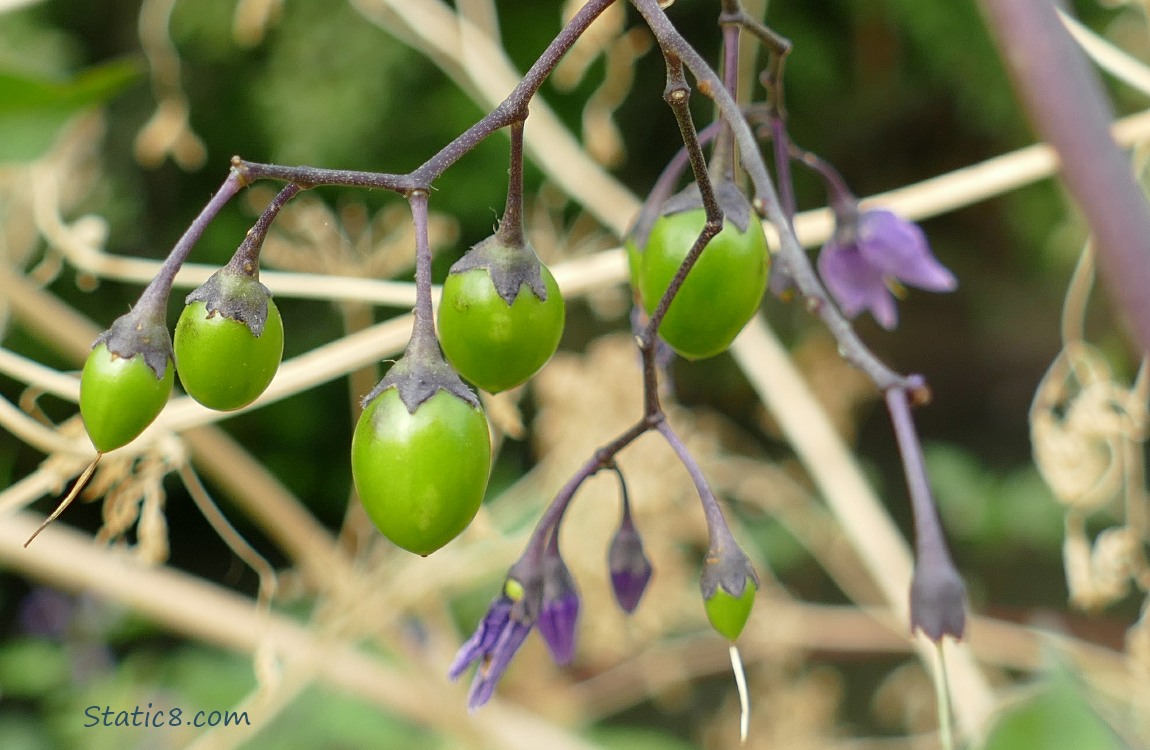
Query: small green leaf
[34,109]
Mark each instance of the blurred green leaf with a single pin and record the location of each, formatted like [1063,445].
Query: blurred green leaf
[31,667]
[208,678]
[34,109]
[18,732]
[319,718]
[1060,717]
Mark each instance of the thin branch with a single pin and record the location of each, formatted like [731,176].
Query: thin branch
[511,110]
[933,196]
[767,201]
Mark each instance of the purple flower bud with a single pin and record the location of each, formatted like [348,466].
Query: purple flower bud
[559,613]
[937,598]
[499,636]
[628,564]
[860,261]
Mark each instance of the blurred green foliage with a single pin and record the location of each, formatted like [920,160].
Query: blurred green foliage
[33,110]
[1059,715]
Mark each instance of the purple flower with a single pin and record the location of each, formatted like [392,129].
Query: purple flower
[497,639]
[559,612]
[861,261]
[937,595]
[628,565]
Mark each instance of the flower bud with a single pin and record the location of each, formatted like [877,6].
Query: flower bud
[728,584]
[559,612]
[937,598]
[628,565]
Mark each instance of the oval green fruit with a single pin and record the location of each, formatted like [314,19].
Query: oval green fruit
[719,295]
[421,476]
[120,396]
[222,364]
[495,345]
[728,614]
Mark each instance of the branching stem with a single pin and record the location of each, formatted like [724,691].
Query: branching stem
[511,110]
[155,295]
[247,257]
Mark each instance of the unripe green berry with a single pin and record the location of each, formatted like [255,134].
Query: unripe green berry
[728,614]
[421,475]
[120,396]
[223,365]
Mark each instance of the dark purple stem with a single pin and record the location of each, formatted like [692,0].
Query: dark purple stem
[842,201]
[678,96]
[717,526]
[155,295]
[247,257]
[423,327]
[781,146]
[1069,110]
[723,158]
[926,526]
[511,223]
[665,185]
[603,458]
[767,201]
[937,593]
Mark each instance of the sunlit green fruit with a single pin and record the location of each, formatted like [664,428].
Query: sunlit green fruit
[120,396]
[222,364]
[421,476]
[494,345]
[728,614]
[721,293]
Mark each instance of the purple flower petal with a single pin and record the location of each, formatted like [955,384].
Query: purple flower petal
[485,637]
[898,249]
[855,284]
[557,621]
[559,612]
[629,587]
[496,664]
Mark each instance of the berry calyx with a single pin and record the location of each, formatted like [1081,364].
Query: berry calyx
[229,341]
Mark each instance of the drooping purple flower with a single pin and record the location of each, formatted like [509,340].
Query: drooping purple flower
[861,260]
[498,637]
[628,565]
[559,612]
